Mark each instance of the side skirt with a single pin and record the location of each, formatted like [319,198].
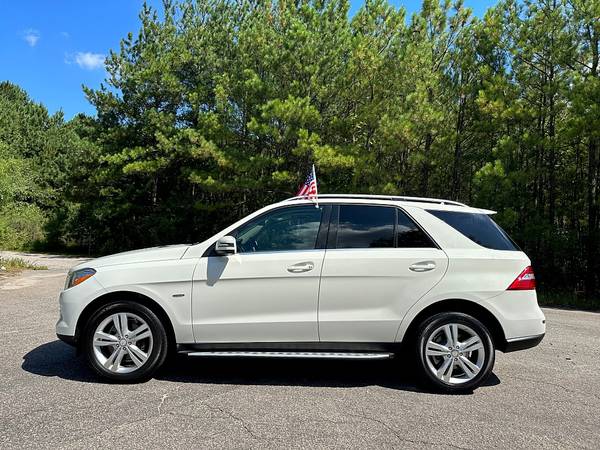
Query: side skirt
[325,350]
[294,354]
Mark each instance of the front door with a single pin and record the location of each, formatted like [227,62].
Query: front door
[268,291]
[378,264]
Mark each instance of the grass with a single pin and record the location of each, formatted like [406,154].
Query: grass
[18,264]
[568,299]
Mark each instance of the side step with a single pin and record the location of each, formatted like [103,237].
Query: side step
[324,355]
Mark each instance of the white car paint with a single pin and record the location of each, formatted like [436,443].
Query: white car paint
[255,298]
[364,295]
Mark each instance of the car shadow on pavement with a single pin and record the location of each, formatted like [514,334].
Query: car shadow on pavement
[57,359]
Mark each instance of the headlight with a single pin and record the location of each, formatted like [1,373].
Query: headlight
[78,277]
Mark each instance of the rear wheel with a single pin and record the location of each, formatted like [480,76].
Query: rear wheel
[455,352]
[125,341]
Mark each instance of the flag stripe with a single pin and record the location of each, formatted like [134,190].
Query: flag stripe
[309,188]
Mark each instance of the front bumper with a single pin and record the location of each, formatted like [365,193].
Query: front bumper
[71,340]
[72,302]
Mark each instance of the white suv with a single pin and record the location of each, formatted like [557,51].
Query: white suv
[356,277]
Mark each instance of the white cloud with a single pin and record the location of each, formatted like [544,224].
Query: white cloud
[65,34]
[31,36]
[87,60]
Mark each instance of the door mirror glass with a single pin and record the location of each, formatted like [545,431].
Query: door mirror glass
[226,245]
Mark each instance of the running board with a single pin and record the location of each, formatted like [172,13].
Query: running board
[324,355]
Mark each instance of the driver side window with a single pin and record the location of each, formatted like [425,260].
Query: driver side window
[292,228]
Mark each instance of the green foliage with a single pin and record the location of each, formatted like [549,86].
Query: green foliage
[35,152]
[215,108]
[21,226]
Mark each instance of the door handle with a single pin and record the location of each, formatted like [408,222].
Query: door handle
[301,267]
[424,266]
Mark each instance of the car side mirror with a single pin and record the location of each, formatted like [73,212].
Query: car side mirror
[226,245]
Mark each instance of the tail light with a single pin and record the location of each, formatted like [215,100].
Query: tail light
[525,281]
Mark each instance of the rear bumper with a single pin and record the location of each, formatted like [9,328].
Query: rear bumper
[523,343]
[518,314]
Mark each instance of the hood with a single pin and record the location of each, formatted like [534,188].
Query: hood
[163,253]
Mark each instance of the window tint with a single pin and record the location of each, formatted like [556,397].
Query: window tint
[480,228]
[294,228]
[366,227]
[409,235]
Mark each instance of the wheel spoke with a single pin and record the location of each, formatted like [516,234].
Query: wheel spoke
[435,349]
[117,324]
[468,372]
[124,327]
[111,359]
[454,330]
[102,339]
[472,344]
[118,359]
[137,356]
[140,332]
[445,371]
[473,367]
[448,333]
[144,335]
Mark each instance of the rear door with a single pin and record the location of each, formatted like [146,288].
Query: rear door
[378,263]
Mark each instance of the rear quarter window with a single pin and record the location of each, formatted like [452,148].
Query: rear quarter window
[480,228]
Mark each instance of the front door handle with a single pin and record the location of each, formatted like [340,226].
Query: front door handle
[301,267]
[424,266]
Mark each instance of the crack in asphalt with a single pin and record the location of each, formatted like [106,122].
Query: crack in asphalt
[230,414]
[162,402]
[403,439]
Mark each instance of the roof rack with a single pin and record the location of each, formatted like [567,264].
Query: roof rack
[399,198]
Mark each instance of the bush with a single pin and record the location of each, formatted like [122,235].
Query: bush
[567,299]
[21,226]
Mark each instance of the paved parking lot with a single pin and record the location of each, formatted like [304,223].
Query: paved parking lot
[548,396]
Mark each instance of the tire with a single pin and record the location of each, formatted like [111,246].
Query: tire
[442,362]
[129,353]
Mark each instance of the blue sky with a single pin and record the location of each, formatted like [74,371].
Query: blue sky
[52,48]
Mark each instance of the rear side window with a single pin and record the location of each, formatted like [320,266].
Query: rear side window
[480,228]
[409,235]
[366,227]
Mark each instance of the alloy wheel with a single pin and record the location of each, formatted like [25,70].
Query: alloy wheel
[122,342]
[454,353]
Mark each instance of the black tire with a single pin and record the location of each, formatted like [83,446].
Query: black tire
[159,347]
[425,370]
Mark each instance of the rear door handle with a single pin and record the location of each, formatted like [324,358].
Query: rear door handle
[424,266]
[301,267]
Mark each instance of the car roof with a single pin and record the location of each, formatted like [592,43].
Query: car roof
[419,202]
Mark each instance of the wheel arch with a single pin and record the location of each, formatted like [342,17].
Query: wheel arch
[470,307]
[131,296]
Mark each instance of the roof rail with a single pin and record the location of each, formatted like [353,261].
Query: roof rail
[399,198]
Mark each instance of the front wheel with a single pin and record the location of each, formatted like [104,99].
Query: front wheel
[125,341]
[455,352]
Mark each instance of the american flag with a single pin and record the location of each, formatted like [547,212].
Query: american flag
[309,188]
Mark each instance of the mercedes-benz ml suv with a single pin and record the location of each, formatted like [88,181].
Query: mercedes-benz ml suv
[355,277]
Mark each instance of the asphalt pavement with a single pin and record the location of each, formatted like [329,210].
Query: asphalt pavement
[545,397]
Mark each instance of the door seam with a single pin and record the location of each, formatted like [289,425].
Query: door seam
[319,297]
